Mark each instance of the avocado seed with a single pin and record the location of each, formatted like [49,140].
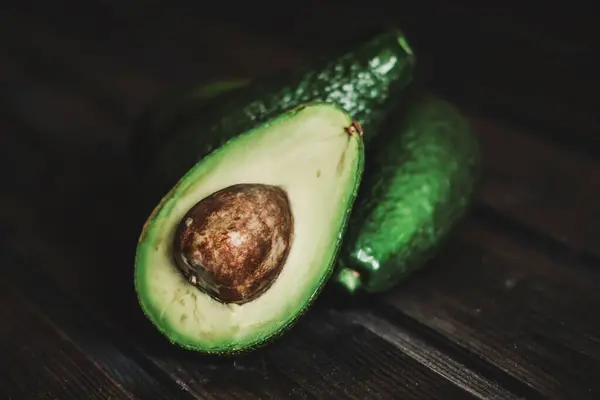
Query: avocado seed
[234,243]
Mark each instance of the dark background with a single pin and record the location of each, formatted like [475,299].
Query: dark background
[508,309]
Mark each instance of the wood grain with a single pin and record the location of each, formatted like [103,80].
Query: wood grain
[540,185]
[439,361]
[325,356]
[89,331]
[513,307]
[289,367]
[322,357]
[38,361]
[490,312]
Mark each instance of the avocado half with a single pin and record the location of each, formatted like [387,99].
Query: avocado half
[239,248]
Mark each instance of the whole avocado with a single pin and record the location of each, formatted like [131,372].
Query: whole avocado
[419,180]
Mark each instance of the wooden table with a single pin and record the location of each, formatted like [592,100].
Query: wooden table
[509,309]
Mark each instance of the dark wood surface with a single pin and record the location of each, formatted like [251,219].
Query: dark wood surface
[507,310]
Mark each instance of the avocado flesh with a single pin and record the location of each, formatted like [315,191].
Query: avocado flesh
[309,154]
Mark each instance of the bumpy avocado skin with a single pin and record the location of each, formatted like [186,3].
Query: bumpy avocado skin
[418,182]
[365,81]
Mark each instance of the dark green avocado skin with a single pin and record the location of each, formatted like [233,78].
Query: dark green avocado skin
[181,129]
[420,176]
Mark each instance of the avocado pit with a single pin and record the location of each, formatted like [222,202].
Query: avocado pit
[233,244]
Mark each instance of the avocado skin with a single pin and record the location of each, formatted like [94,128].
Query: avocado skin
[419,180]
[365,81]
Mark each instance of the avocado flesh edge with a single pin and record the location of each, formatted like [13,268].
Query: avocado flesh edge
[307,152]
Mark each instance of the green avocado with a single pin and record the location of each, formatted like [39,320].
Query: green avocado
[245,240]
[419,181]
[421,169]
[183,127]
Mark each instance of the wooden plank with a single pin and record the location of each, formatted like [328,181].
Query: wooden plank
[44,231]
[287,367]
[80,277]
[539,185]
[322,357]
[328,355]
[47,236]
[439,361]
[172,373]
[513,307]
[90,334]
[37,360]
[55,244]
[50,234]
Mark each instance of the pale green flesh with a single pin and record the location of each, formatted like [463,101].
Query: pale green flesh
[309,154]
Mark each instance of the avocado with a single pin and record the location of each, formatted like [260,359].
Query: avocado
[245,240]
[182,127]
[419,180]
[427,145]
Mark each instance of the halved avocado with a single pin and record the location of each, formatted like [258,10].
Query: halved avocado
[242,244]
